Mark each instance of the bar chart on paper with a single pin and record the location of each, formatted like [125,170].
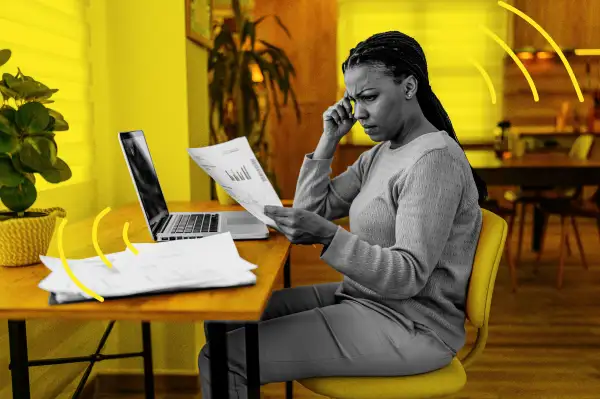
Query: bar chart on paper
[239,174]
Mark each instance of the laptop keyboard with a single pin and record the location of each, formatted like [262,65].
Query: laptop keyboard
[196,223]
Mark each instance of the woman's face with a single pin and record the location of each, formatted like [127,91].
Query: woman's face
[379,102]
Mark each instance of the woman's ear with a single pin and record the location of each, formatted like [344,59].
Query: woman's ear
[411,86]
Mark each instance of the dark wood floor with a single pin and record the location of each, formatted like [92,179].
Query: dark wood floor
[543,343]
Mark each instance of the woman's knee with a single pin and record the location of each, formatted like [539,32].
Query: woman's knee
[299,299]
[203,364]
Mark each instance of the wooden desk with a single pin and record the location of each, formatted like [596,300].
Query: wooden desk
[21,299]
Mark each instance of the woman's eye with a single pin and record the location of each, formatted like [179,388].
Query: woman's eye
[369,98]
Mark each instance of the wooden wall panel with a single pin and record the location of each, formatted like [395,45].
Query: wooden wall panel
[571,23]
[312,50]
[554,86]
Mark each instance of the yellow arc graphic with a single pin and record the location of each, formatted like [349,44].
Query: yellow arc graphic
[487,79]
[95,236]
[61,252]
[126,239]
[517,61]
[552,43]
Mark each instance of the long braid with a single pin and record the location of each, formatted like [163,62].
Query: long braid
[402,56]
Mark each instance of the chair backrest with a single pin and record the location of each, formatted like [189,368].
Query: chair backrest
[489,251]
[582,147]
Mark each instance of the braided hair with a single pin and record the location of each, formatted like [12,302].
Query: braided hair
[403,56]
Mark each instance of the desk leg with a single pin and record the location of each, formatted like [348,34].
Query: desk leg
[219,372]
[252,361]
[148,367]
[287,272]
[287,283]
[19,368]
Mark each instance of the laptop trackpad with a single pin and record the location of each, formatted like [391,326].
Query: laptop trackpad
[241,218]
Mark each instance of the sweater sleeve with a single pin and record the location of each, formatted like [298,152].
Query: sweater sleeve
[429,193]
[329,198]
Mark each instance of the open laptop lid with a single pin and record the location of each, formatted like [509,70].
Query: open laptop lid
[145,180]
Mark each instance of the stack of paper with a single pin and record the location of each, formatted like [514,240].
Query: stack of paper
[180,265]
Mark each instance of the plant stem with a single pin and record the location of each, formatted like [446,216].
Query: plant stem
[237,11]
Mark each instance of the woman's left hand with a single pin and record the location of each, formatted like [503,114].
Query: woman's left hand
[301,226]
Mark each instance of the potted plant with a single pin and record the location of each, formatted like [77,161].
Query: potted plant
[245,75]
[27,148]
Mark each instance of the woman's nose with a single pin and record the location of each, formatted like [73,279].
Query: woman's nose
[359,112]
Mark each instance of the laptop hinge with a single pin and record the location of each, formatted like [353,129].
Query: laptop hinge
[162,224]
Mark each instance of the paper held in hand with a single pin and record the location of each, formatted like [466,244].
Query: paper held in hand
[234,166]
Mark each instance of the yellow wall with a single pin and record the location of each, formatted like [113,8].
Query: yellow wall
[145,75]
[449,33]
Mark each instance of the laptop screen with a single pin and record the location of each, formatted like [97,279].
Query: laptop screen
[144,177]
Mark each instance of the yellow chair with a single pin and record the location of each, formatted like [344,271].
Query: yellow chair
[452,378]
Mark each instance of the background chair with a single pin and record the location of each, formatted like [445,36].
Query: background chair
[452,378]
[569,208]
[525,196]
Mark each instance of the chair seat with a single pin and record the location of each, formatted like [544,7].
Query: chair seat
[442,382]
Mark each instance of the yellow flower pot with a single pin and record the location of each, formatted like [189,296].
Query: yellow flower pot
[24,239]
[223,197]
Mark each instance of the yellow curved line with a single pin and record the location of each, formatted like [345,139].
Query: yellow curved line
[517,61]
[95,236]
[126,239]
[487,79]
[551,41]
[61,251]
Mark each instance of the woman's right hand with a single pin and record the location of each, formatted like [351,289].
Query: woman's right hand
[338,119]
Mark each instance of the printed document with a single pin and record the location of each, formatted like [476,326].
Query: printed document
[209,262]
[234,166]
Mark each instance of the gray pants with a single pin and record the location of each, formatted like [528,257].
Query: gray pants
[308,331]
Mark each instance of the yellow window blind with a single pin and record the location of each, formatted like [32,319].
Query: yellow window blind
[450,34]
[49,40]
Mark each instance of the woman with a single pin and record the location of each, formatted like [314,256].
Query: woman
[415,220]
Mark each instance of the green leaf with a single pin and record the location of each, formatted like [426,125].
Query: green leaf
[57,121]
[4,56]
[33,117]
[8,142]
[258,21]
[9,80]
[18,165]
[9,112]
[28,89]
[9,176]
[60,125]
[224,39]
[287,32]
[6,126]
[55,114]
[61,172]
[38,153]
[20,198]
[6,92]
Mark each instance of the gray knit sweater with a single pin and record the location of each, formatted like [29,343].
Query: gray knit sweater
[414,227]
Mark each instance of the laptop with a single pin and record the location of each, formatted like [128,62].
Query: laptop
[165,225]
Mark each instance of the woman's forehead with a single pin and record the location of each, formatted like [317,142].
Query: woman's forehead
[362,77]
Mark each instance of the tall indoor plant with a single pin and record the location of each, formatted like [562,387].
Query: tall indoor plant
[235,60]
[27,148]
